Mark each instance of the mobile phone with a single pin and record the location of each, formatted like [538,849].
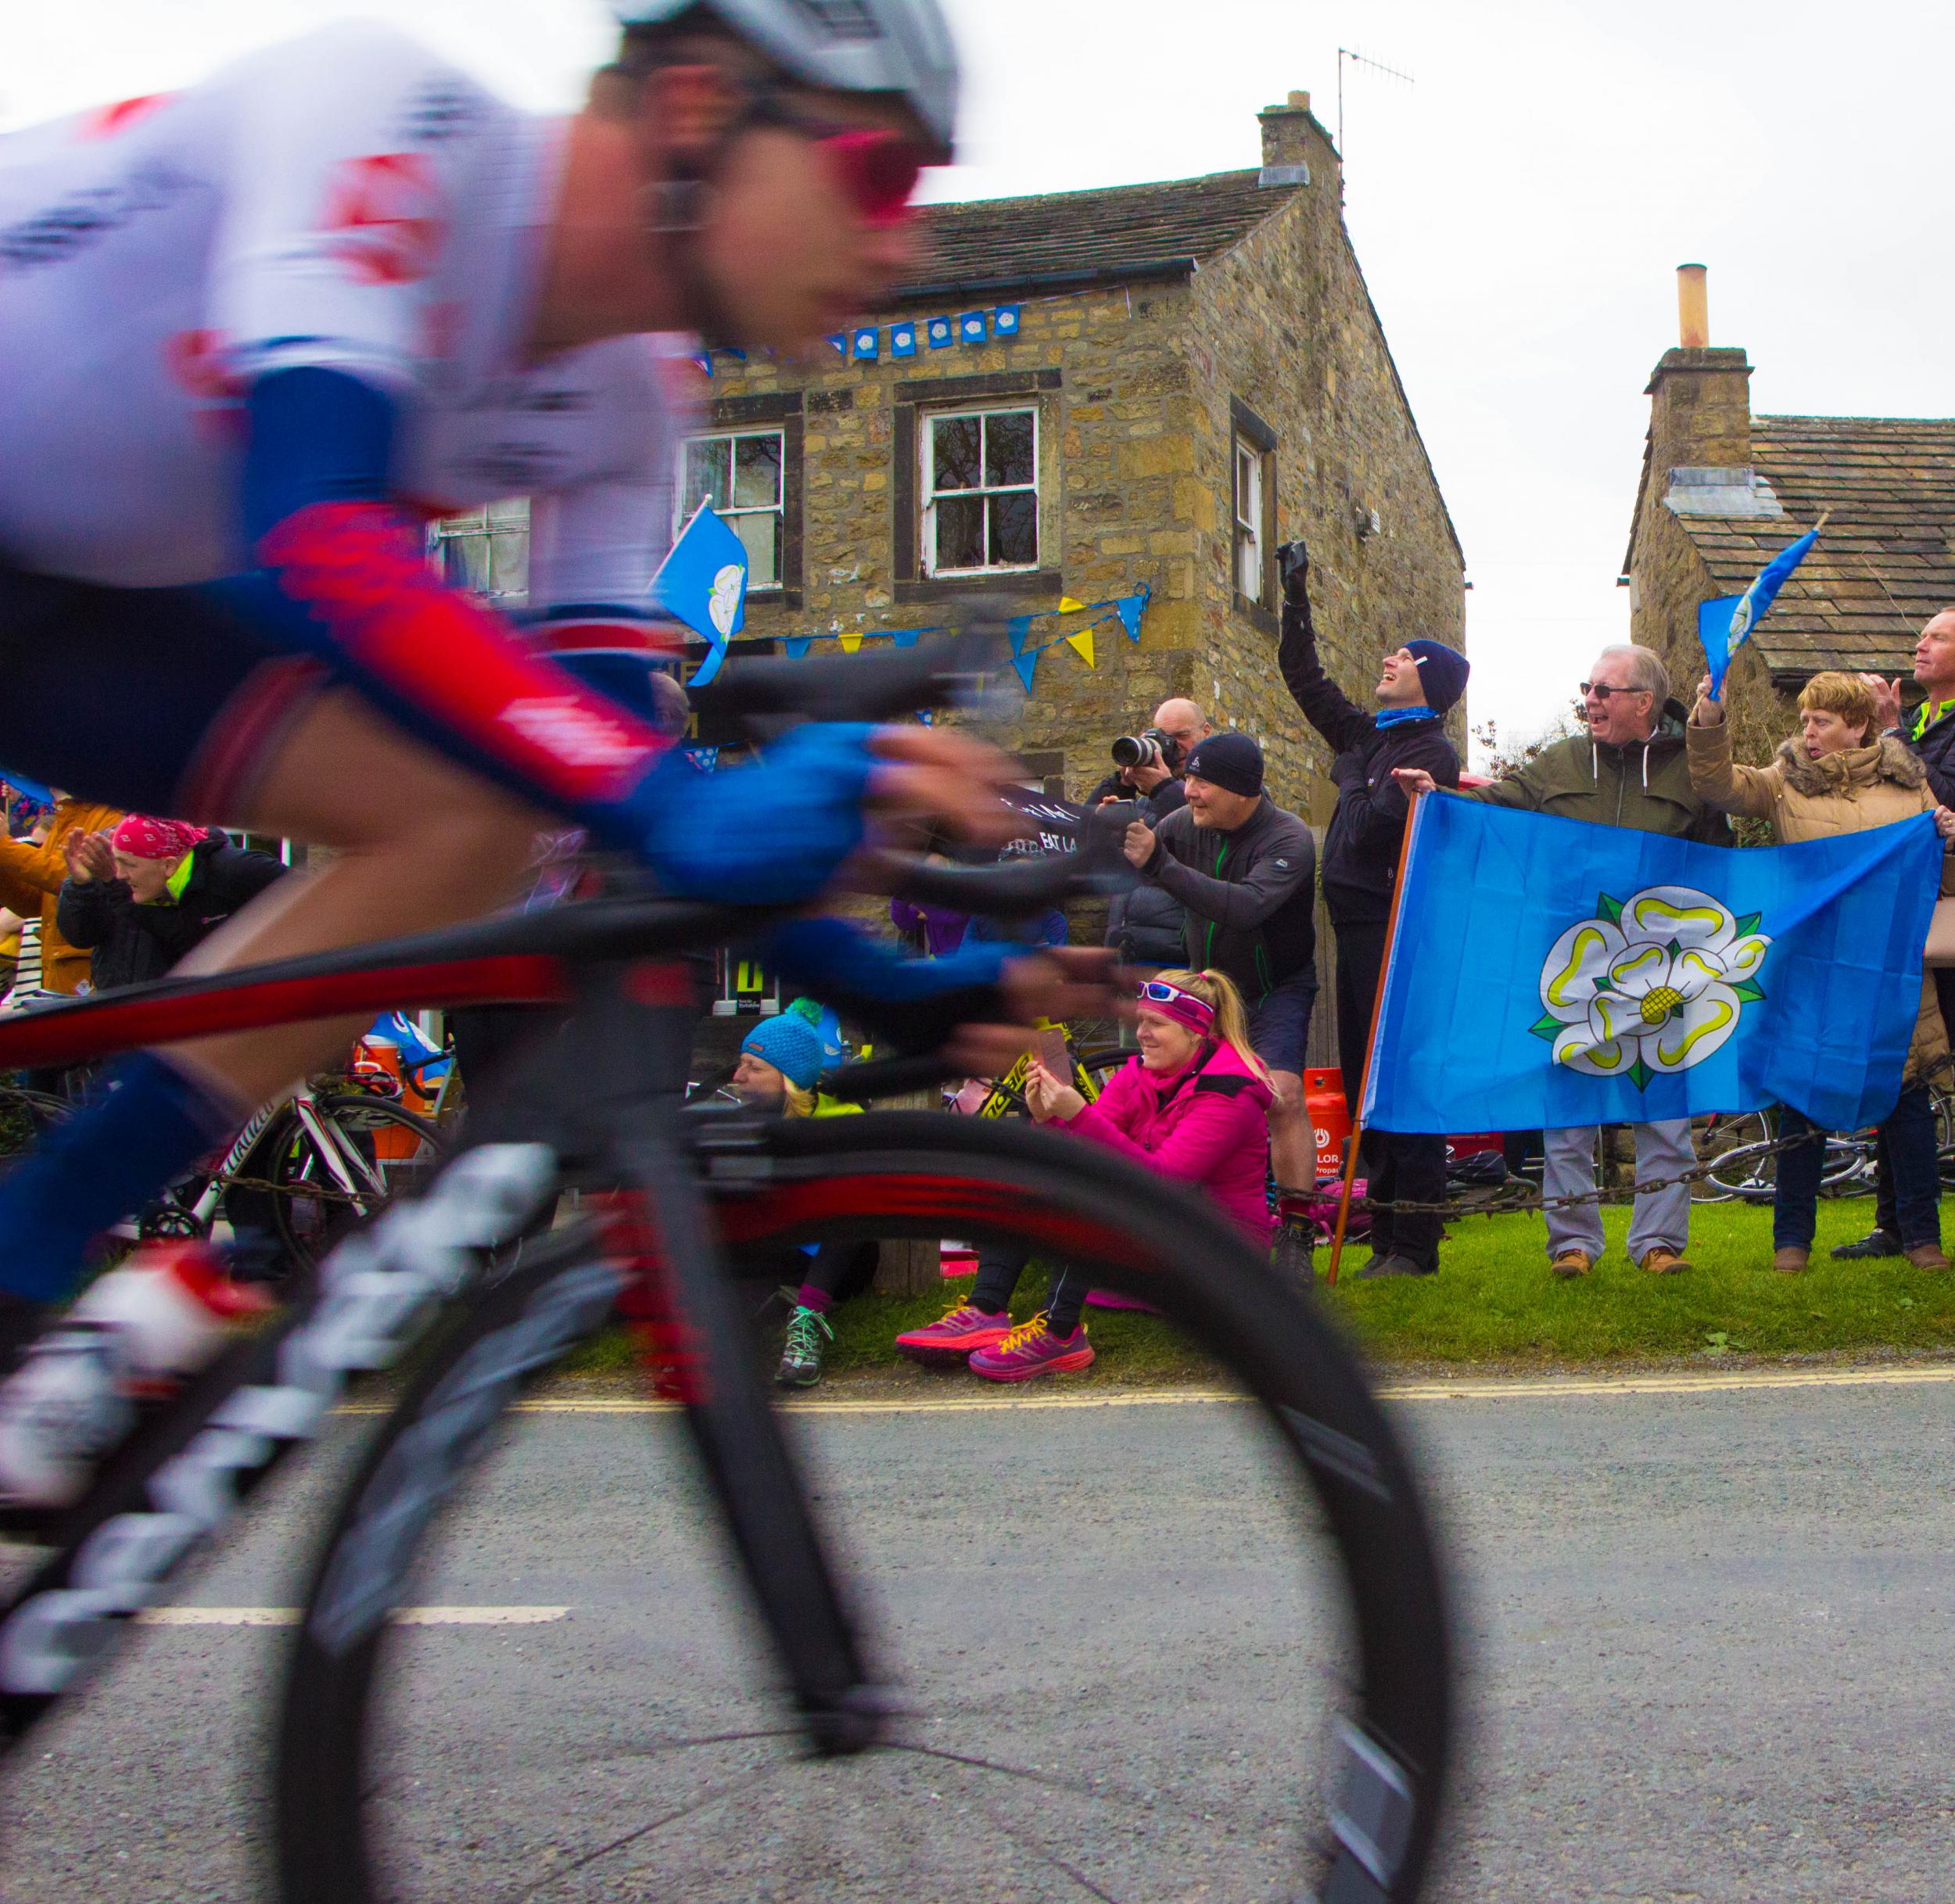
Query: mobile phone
[1048,1047]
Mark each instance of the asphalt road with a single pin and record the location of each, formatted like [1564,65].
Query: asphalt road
[1709,1636]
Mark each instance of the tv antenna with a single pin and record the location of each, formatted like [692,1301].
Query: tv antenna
[1360,59]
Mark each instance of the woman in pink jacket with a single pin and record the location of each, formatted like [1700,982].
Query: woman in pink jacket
[1194,1106]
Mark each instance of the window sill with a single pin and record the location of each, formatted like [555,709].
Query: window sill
[1039,582]
[1258,616]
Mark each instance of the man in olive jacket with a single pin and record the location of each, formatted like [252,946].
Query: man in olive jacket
[1628,770]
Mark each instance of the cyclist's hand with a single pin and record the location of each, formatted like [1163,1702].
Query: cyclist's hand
[1066,981]
[949,781]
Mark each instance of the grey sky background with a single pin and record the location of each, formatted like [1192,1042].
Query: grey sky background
[1518,211]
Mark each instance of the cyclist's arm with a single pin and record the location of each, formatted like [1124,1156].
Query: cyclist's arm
[343,575]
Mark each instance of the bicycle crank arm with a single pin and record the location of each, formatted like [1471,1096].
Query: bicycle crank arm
[753,1472]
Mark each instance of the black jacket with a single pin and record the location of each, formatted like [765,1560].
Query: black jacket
[1936,747]
[1145,926]
[127,943]
[1251,894]
[1165,798]
[1368,826]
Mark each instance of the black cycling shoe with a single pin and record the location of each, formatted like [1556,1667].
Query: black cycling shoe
[1869,1249]
[1396,1265]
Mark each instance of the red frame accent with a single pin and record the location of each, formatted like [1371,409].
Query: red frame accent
[67,1035]
[747,1216]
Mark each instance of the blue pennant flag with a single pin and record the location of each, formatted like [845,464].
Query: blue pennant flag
[1027,665]
[1725,624]
[902,340]
[703,581]
[1004,321]
[838,342]
[868,344]
[970,327]
[798,645]
[704,360]
[1546,973]
[928,719]
[1131,608]
[703,759]
[942,333]
[1018,627]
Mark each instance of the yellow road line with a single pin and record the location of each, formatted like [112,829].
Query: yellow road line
[403,1616]
[1466,1388]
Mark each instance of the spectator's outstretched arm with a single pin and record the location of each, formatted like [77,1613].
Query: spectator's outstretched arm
[1239,904]
[1720,783]
[1325,705]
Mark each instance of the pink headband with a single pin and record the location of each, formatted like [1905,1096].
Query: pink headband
[1155,994]
[143,837]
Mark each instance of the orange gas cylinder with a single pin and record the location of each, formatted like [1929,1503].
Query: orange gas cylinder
[1330,1118]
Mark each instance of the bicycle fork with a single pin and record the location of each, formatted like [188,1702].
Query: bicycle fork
[687,1298]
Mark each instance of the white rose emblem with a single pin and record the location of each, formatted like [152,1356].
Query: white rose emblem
[1655,983]
[725,602]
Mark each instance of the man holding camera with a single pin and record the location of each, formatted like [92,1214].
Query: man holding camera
[1416,687]
[1146,927]
[1245,871]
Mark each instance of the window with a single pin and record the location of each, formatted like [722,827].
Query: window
[740,474]
[979,492]
[1249,523]
[486,550]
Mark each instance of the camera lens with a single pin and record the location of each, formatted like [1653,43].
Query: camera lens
[1128,752]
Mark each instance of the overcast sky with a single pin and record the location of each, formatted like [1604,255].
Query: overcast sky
[1519,210]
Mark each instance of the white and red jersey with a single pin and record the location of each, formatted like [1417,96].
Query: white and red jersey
[345,201]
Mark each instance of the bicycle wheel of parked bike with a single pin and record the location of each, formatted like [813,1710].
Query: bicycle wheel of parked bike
[1192,1647]
[1739,1148]
[380,1152]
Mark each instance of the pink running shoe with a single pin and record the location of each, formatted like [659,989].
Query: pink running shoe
[953,1335]
[1031,1349]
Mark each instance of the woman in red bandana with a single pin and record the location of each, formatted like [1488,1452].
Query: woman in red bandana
[138,898]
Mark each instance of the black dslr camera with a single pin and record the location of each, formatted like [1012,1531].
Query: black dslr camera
[1148,749]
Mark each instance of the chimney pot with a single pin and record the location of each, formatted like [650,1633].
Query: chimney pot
[1693,308]
[1300,102]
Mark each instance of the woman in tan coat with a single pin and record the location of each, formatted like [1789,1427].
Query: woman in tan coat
[1839,774]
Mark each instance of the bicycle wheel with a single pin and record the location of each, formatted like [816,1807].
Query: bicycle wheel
[1743,1165]
[393,1153]
[1238,1688]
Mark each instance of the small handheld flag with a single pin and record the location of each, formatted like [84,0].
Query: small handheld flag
[703,581]
[1724,624]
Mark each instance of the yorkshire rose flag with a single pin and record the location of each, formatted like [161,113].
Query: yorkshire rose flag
[1547,972]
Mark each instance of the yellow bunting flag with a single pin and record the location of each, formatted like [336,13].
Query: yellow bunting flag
[1068,606]
[1082,644]
[849,642]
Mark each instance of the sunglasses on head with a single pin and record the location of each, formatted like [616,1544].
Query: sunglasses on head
[877,169]
[1158,991]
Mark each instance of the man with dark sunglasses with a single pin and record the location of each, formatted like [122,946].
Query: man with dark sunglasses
[260,330]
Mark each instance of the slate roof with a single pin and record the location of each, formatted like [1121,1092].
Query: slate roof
[989,244]
[1886,562]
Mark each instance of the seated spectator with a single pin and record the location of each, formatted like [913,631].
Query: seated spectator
[1193,1106]
[781,1061]
[1839,774]
[137,899]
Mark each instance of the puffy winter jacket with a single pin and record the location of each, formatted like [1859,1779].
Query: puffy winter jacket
[1207,1125]
[128,944]
[31,879]
[1144,925]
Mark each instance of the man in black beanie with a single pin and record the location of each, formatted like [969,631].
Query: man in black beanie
[1245,872]
[1416,687]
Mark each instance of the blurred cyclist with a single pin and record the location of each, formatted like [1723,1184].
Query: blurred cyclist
[257,331]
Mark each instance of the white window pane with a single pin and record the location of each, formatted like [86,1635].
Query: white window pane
[956,445]
[509,561]
[760,531]
[464,561]
[1008,457]
[756,475]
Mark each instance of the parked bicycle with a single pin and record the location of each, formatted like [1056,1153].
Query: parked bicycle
[1289,1735]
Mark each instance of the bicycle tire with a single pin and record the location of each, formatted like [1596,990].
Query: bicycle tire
[1737,1147]
[306,1227]
[895,1174]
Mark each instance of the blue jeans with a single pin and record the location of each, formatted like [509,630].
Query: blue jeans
[1909,1136]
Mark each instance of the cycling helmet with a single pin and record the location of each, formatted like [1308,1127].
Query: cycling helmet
[896,46]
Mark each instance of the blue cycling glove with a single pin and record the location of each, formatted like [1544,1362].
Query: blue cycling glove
[764,835]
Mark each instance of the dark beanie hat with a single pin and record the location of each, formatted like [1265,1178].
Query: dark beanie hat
[1231,761]
[1442,672]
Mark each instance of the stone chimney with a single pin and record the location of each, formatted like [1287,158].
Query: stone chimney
[1700,418]
[1292,141]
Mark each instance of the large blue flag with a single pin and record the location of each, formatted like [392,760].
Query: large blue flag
[1547,972]
[1725,624]
[703,581]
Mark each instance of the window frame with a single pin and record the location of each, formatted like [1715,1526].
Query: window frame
[927,494]
[730,434]
[1252,441]
[482,524]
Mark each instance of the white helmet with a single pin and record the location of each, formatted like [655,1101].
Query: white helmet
[892,46]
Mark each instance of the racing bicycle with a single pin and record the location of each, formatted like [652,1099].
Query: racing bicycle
[1259,1704]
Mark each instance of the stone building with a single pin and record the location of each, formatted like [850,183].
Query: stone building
[1166,380]
[1722,491]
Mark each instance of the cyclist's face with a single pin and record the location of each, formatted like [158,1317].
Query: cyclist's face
[756,1081]
[1165,1044]
[791,247]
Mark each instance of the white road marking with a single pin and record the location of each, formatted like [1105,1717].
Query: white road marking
[403,1616]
